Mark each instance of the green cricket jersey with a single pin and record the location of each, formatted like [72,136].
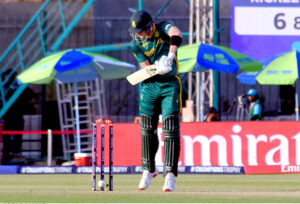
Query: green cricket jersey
[155,47]
[160,93]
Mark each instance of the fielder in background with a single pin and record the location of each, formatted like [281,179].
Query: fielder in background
[157,44]
[255,109]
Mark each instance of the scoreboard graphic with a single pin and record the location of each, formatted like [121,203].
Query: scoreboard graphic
[263,28]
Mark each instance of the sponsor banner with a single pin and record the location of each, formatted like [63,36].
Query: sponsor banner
[126,170]
[116,170]
[215,170]
[199,169]
[45,170]
[8,169]
[262,147]
[275,169]
[240,143]
[126,143]
[263,143]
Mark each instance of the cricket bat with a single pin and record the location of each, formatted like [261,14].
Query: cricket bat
[142,74]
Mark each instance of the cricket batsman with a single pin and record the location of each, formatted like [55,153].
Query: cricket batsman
[161,94]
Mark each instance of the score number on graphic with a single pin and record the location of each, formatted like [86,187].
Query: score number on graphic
[267,21]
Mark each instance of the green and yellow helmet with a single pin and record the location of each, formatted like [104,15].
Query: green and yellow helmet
[139,22]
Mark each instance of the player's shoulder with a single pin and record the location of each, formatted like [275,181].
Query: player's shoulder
[164,25]
[133,44]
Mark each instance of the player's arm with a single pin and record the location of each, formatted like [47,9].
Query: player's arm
[140,57]
[176,39]
[144,64]
[160,69]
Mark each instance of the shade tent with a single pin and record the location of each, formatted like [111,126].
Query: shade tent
[281,69]
[75,66]
[201,57]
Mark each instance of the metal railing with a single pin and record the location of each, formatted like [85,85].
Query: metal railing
[44,32]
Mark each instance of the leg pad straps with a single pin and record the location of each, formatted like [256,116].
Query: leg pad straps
[171,132]
[149,141]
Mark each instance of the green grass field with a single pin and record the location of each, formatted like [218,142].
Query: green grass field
[189,188]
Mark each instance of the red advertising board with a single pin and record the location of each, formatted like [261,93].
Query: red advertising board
[261,147]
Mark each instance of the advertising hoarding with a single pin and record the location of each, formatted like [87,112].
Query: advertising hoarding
[258,146]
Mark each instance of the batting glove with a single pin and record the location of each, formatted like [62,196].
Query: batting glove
[170,57]
[167,60]
[162,66]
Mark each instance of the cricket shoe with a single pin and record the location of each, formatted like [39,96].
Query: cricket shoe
[146,179]
[169,182]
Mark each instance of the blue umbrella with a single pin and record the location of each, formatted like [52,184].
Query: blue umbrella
[74,66]
[200,57]
[250,77]
[223,59]
[215,57]
[281,69]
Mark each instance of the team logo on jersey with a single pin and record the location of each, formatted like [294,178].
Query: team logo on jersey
[156,34]
[145,44]
[133,24]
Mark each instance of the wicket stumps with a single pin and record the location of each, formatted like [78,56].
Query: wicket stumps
[100,123]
